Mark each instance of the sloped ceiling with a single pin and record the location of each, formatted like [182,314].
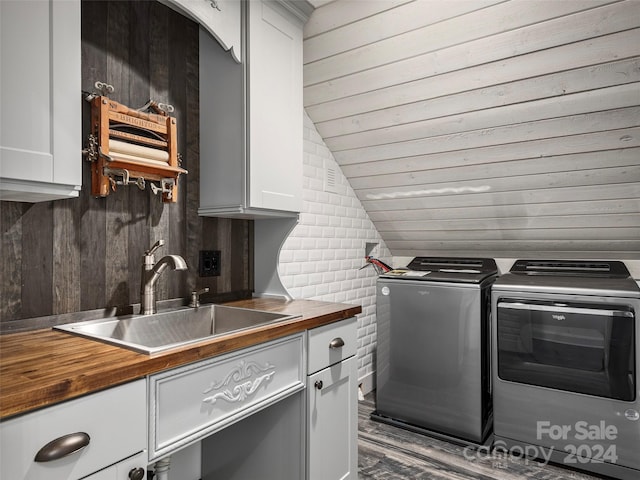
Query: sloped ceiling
[484,127]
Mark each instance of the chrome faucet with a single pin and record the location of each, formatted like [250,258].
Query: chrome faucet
[151,271]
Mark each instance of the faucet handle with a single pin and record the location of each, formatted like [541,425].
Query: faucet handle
[154,247]
[195,297]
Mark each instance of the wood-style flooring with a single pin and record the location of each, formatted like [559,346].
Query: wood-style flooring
[386,452]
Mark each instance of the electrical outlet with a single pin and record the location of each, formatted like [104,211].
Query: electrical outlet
[209,265]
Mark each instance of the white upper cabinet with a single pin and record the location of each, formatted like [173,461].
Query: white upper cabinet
[40,100]
[221,18]
[251,116]
[275,109]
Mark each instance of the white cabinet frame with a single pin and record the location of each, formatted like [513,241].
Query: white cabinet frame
[41,100]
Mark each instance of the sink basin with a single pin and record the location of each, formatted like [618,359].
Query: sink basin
[166,330]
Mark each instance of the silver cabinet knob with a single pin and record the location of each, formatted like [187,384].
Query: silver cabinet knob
[319,384]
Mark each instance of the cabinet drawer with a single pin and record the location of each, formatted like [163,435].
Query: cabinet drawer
[189,403]
[114,419]
[332,343]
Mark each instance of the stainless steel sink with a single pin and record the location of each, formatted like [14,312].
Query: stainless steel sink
[166,330]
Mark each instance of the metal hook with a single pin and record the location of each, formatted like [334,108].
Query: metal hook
[159,108]
[104,88]
[166,186]
[140,183]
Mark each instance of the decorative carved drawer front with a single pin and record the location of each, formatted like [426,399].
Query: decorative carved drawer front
[332,343]
[192,402]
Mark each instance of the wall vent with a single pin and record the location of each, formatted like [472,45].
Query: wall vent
[330,178]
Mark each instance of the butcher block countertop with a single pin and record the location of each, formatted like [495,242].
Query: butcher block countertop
[43,367]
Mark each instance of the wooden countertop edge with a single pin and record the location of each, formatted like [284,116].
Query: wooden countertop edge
[97,366]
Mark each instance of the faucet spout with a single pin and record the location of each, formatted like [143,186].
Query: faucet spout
[151,272]
[175,262]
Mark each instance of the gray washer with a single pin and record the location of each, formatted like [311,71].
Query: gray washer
[432,365]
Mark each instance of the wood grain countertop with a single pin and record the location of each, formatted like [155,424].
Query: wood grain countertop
[43,367]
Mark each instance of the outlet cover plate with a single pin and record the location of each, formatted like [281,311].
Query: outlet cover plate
[209,263]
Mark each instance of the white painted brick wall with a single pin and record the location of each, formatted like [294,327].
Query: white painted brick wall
[322,257]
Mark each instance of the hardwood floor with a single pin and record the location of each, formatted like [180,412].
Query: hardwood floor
[386,452]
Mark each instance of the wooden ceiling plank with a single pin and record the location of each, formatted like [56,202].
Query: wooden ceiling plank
[605,176]
[629,247]
[453,45]
[556,85]
[514,168]
[525,198]
[568,208]
[589,142]
[519,234]
[595,51]
[510,223]
[388,24]
[571,125]
[510,249]
[599,100]
[326,18]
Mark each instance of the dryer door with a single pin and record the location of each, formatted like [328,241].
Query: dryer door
[576,347]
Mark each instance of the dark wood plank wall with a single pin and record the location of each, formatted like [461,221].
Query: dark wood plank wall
[82,254]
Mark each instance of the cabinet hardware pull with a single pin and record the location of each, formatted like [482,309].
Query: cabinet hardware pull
[136,474]
[319,384]
[336,343]
[62,446]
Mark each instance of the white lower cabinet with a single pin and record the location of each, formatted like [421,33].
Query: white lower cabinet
[310,434]
[101,436]
[242,415]
[332,402]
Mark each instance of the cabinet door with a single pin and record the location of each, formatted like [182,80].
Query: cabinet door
[275,107]
[40,138]
[332,446]
[222,169]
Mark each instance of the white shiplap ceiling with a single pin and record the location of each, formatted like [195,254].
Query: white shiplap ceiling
[484,127]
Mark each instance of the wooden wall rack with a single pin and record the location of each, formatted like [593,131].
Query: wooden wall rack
[128,146]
